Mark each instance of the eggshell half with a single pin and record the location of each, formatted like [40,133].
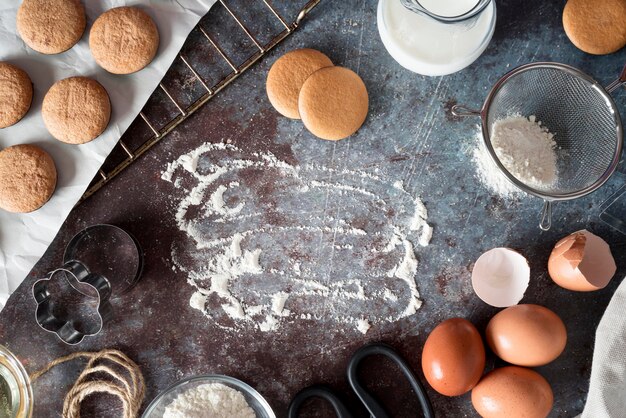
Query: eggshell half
[500,277]
[526,335]
[582,262]
[513,392]
[453,358]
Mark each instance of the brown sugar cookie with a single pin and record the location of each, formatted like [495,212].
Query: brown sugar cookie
[596,26]
[287,75]
[76,110]
[333,103]
[16,94]
[51,26]
[123,40]
[28,178]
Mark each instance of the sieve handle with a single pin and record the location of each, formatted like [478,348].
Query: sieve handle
[546,216]
[462,111]
[621,80]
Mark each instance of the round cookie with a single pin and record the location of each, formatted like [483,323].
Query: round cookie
[123,40]
[16,94]
[288,73]
[333,103]
[28,178]
[76,110]
[51,26]
[596,26]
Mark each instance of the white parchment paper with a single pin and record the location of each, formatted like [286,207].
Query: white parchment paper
[25,237]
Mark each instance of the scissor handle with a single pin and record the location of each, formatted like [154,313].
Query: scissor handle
[318,391]
[374,408]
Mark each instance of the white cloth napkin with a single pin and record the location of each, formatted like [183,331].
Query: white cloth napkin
[607,389]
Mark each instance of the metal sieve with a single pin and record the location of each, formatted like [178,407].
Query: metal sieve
[574,107]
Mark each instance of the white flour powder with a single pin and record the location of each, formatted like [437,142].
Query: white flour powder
[251,284]
[488,172]
[526,150]
[213,400]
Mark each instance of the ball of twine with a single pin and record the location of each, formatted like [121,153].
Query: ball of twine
[129,387]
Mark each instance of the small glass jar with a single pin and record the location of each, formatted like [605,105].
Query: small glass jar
[16,393]
[430,46]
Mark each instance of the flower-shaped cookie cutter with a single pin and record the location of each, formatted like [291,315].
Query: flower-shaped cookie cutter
[65,328]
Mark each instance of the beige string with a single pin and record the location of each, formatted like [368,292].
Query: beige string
[130,393]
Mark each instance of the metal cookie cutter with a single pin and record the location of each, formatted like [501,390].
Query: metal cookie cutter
[67,329]
[101,262]
[110,251]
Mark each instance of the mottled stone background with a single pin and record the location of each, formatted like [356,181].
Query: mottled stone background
[409,136]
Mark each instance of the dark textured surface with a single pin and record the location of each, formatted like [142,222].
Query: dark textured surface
[409,136]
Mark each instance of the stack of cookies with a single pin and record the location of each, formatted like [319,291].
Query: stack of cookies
[332,101]
[75,110]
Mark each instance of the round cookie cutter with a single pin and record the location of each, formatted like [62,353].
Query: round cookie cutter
[110,251]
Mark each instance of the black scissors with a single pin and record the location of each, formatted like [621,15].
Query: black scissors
[374,408]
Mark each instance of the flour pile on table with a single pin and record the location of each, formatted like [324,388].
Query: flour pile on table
[488,172]
[269,242]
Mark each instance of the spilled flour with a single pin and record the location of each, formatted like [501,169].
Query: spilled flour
[270,243]
[488,172]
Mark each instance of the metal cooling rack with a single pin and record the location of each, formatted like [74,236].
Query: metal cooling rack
[132,144]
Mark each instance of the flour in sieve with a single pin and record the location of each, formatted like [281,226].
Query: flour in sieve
[526,150]
[213,400]
[524,147]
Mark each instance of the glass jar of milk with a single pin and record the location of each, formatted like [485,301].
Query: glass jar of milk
[436,37]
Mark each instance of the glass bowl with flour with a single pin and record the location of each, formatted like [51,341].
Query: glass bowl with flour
[427,46]
[214,396]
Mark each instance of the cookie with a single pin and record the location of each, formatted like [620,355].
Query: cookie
[51,26]
[333,103]
[123,40]
[596,26]
[76,110]
[287,75]
[28,178]
[16,94]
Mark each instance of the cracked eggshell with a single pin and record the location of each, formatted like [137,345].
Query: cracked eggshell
[581,262]
[500,277]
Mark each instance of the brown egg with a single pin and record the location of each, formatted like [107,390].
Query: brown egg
[513,392]
[582,262]
[453,358]
[526,335]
